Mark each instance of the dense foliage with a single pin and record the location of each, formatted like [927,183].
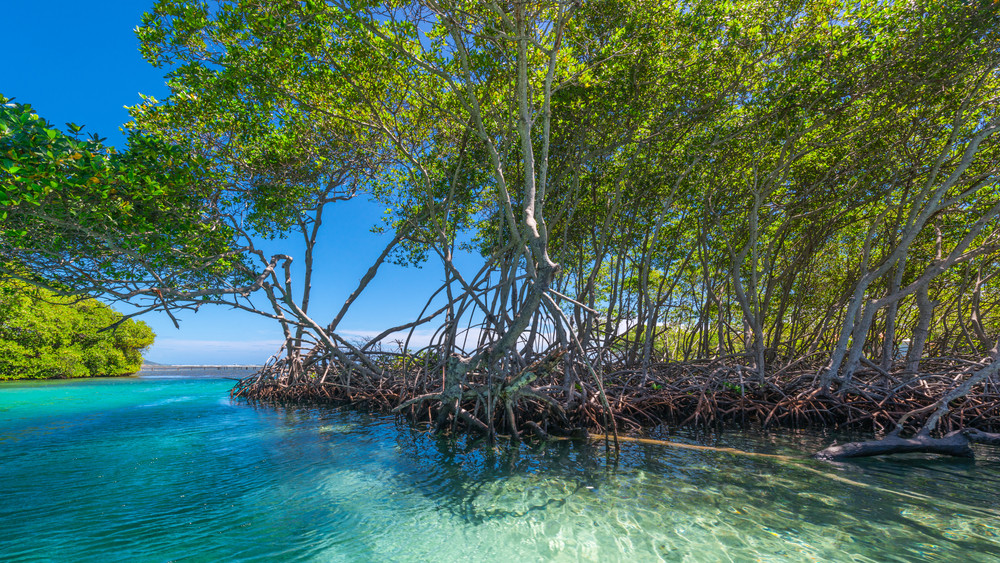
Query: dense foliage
[759,186]
[43,335]
[80,217]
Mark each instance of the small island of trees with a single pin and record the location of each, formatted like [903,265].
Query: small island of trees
[702,212]
[45,335]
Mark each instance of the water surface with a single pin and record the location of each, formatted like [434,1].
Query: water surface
[168,469]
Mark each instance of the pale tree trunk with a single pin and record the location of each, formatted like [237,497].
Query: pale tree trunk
[925,308]
[976,315]
[889,335]
[859,335]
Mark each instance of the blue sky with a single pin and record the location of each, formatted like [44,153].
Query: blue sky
[79,62]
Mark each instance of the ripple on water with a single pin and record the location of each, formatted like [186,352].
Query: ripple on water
[170,470]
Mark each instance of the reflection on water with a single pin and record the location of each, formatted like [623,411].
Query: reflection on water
[169,469]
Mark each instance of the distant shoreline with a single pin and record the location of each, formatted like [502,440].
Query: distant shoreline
[242,370]
[160,368]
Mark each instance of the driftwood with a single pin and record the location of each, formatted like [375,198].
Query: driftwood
[957,443]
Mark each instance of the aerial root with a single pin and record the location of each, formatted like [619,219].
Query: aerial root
[684,394]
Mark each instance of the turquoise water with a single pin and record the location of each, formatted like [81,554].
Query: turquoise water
[147,469]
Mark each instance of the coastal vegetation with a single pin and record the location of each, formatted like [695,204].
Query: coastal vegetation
[779,213]
[44,335]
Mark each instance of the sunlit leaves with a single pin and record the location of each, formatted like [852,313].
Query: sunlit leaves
[43,335]
[72,205]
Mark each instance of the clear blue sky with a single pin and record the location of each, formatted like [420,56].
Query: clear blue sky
[79,62]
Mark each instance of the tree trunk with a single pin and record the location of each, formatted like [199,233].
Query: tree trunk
[926,312]
[954,444]
[889,334]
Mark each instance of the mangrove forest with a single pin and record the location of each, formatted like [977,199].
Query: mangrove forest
[704,212]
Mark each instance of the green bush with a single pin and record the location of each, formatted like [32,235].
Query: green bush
[44,335]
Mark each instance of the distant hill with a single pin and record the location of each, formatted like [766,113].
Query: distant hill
[149,363]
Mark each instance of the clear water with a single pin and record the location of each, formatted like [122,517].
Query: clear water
[168,469]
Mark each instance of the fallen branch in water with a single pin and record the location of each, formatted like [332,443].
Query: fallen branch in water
[957,443]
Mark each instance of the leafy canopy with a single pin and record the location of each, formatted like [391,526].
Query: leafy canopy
[81,218]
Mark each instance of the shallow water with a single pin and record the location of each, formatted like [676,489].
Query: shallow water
[167,469]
